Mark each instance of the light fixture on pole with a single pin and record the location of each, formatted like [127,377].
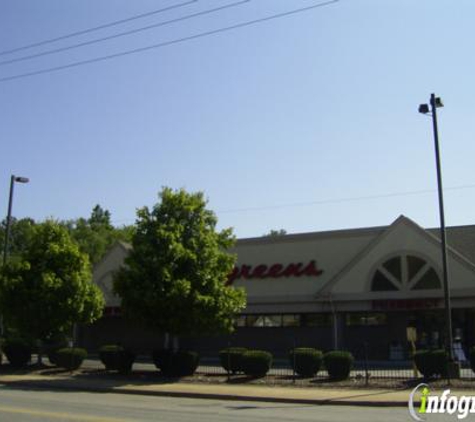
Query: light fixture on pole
[431,109]
[14,179]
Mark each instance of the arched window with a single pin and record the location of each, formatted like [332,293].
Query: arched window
[405,272]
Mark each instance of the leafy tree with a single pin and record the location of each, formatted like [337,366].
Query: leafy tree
[96,234]
[276,233]
[100,218]
[48,287]
[20,234]
[175,277]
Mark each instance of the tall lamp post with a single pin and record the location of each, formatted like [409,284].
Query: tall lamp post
[14,179]
[434,104]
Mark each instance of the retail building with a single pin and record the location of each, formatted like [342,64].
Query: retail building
[356,289]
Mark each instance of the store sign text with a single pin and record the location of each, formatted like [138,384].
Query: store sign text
[275,271]
[395,304]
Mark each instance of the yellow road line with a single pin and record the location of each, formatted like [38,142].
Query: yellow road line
[60,415]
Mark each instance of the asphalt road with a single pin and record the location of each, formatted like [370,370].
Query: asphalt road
[40,405]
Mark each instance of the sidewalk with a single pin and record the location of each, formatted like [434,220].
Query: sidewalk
[301,395]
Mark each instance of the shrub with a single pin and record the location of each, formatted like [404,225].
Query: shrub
[431,362]
[70,358]
[338,364]
[109,356]
[306,362]
[17,351]
[256,363]
[126,361]
[175,363]
[50,348]
[231,359]
[116,358]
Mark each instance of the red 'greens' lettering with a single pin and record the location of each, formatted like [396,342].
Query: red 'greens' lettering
[263,271]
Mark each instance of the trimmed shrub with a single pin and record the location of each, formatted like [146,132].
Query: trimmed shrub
[116,358]
[18,352]
[431,363]
[70,358]
[231,359]
[109,356]
[51,348]
[126,361]
[256,363]
[179,363]
[305,361]
[338,364]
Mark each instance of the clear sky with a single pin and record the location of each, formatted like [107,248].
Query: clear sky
[306,123]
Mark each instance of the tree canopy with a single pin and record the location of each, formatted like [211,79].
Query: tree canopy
[47,286]
[175,277]
[95,235]
[20,234]
[276,233]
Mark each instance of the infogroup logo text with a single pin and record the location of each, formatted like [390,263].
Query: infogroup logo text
[443,403]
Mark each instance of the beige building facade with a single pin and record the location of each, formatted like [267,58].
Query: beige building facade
[355,289]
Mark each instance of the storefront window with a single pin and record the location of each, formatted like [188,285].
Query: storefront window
[284,320]
[290,320]
[240,321]
[264,320]
[317,320]
[358,318]
[273,320]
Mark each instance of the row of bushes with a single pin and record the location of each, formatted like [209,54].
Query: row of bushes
[306,362]
[170,363]
[18,353]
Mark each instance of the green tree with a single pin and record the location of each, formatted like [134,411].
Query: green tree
[48,287]
[20,234]
[174,279]
[276,233]
[100,218]
[95,235]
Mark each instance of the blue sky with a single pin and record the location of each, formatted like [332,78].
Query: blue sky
[283,124]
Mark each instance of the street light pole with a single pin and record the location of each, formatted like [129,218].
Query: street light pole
[13,179]
[448,308]
[435,103]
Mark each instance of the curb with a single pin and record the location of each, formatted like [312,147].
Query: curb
[209,396]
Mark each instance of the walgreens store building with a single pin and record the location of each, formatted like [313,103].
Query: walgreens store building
[353,289]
